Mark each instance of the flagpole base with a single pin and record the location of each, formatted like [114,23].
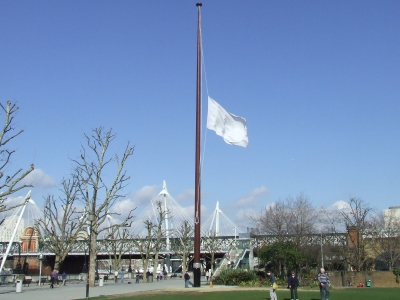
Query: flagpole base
[196,277]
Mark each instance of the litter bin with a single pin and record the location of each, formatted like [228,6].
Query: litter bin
[150,278]
[368,284]
[18,286]
[101,280]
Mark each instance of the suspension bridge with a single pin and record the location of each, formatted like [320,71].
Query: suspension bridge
[173,214]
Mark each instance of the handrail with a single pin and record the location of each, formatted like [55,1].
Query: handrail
[241,257]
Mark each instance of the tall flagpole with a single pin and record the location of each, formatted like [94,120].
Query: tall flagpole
[196,259]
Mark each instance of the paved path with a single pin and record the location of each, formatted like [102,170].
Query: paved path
[78,290]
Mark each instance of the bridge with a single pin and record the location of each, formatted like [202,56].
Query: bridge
[232,246]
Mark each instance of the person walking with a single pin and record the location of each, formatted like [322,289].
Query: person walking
[64,277]
[324,282]
[293,284]
[207,275]
[272,292]
[57,278]
[187,280]
[53,276]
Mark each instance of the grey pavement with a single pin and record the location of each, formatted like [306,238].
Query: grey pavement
[78,290]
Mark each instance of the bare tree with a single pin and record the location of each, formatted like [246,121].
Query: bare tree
[146,246]
[289,217]
[384,231]
[273,220]
[183,244]
[118,244]
[99,195]
[12,182]
[355,220]
[304,217]
[212,246]
[62,221]
[150,246]
[159,233]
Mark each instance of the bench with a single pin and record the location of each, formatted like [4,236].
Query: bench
[105,277]
[43,280]
[27,280]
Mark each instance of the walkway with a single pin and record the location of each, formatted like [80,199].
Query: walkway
[78,290]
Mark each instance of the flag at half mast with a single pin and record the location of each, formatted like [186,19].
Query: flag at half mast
[231,128]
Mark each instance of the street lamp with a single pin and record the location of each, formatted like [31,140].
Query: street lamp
[91,218]
[322,253]
[130,263]
[85,268]
[19,266]
[235,237]
[40,267]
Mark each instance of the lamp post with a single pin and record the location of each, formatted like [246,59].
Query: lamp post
[130,263]
[97,268]
[91,218]
[235,236]
[19,266]
[322,253]
[40,267]
[85,268]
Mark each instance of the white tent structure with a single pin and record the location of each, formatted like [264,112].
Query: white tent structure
[219,224]
[174,215]
[30,214]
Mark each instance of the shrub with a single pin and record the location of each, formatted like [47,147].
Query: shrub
[397,273]
[234,277]
[261,274]
[254,283]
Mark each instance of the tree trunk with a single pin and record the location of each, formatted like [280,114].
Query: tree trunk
[212,262]
[58,262]
[183,265]
[92,261]
[145,267]
[155,263]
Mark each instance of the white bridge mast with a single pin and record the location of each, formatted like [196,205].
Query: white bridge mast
[24,202]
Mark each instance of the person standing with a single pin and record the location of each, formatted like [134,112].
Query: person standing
[122,274]
[293,283]
[116,275]
[147,275]
[3,276]
[187,280]
[272,292]
[137,276]
[324,282]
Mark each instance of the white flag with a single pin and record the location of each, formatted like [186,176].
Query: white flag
[232,128]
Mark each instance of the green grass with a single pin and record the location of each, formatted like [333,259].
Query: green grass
[257,294]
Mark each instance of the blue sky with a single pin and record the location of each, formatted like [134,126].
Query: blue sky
[317,81]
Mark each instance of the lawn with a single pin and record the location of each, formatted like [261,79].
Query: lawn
[257,294]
